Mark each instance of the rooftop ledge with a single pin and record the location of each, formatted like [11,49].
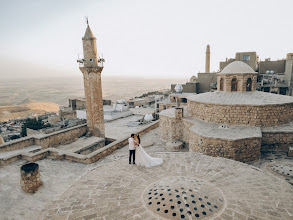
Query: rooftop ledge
[241,98]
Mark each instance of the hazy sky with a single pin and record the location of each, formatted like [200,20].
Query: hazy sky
[153,38]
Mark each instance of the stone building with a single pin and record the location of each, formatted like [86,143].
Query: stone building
[189,87]
[274,76]
[250,58]
[235,122]
[91,69]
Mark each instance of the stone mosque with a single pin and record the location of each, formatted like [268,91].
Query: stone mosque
[235,122]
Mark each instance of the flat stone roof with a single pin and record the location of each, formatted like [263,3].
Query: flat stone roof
[112,189]
[171,112]
[168,112]
[223,131]
[182,95]
[284,128]
[221,189]
[241,98]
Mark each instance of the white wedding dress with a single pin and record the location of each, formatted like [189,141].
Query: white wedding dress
[145,160]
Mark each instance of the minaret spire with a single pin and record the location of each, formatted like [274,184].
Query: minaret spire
[92,84]
[208,54]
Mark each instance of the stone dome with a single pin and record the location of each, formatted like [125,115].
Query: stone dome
[237,67]
[193,79]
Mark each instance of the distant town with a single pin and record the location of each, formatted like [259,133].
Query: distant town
[274,76]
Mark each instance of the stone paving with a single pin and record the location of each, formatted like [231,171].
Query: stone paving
[115,190]
[19,151]
[277,163]
[82,141]
[118,128]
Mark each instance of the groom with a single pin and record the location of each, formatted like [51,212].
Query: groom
[131,148]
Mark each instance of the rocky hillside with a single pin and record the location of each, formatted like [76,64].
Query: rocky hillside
[26,108]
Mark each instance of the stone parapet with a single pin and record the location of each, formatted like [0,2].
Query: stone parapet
[241,150]
[249,115]
[171,128]
[46,140]
[57,154]
[276,141]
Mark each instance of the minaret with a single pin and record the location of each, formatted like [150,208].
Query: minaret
[92,85]
[208,54]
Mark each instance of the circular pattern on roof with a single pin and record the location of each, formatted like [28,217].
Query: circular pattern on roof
[283,169]
[183,198]
[237,67]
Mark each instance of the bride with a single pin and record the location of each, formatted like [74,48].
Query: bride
[142,158]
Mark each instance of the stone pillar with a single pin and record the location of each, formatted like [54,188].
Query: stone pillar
[94,100]
[178,113]
[30,177]
[92,71]
[208,54]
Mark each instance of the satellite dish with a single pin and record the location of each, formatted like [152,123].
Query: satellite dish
[148,117]
[272,71]
[178,88]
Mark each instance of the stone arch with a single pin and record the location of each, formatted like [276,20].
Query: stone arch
[221,84]
[234,85]
[248,84]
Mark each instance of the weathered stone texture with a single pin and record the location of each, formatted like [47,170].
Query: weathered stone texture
[241,150]
[57,154]
[249,115]
[30,179]
[241,81]
[276,141]
[46,140]
[94,100]
[171,128]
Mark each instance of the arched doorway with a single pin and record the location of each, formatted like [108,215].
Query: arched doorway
[234,85]
[248,84]
[221,84]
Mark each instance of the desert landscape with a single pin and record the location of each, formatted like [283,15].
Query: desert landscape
[23,97]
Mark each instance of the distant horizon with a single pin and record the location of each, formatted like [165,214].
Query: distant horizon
[138,37]
[9,78]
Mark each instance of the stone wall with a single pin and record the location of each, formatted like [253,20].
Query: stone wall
[171,127]
[205,80]
[61,137]
[278,66]
[17,144]
[46,140]
[276,141]
[189,87]
[241,81]
[241,150]
[260,116]
[57,154]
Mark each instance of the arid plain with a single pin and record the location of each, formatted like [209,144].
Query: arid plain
[22,97]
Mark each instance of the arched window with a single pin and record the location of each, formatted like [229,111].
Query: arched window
[248,84]
[221,84]
[234,85]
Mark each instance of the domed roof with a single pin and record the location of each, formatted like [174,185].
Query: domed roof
[193,79]
[237,67]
